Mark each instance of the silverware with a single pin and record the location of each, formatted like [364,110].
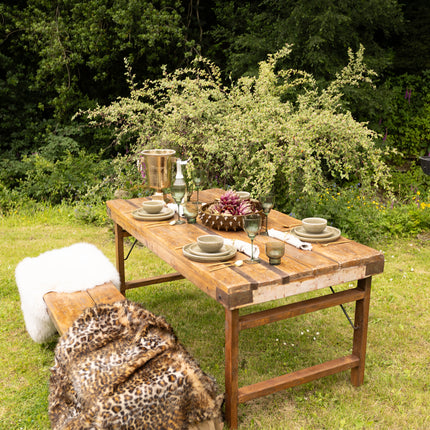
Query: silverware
[154,224]
[336,243]
[237,263]
[181,246]
[291,226]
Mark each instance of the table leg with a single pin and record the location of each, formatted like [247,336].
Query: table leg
[360,334]
[231,367]
[119,251]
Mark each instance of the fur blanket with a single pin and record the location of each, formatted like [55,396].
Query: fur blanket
[75,268]
[121,367]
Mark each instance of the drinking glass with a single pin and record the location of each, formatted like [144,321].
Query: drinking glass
[251,225]
[198,179]
[267,202]
[275,251]
[178,192]
[191,210]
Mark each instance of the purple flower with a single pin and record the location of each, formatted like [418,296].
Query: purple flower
[408,94]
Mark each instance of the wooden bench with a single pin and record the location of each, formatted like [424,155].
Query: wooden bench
[64,308]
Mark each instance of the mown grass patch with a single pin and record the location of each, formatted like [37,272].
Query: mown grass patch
[395,394]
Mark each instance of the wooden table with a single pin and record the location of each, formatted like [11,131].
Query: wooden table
[240,287]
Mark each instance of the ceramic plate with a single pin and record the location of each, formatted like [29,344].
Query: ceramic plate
[230,254]
[141,215]
[195,249]
[300,231]
[335,233]
[163,211]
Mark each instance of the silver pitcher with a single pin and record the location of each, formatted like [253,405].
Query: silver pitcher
[158,169]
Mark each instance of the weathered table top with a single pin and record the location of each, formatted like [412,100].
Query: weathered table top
[236,287]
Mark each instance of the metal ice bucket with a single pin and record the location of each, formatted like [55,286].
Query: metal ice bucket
[158,168]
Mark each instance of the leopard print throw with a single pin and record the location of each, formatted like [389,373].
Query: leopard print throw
[121,367]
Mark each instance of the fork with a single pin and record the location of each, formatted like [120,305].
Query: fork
[335,243]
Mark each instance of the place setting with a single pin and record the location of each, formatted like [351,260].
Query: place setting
[209,248]
[216,249]
[315,229]
[153,210]
[311,230]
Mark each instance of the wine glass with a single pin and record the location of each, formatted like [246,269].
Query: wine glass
[267,201]
[251,224]
[198,179]
[178,192]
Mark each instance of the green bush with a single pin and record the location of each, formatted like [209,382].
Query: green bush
[406,122]
[250,135]
[12,201]
[66,179]
[365,218]
[406,183]
[123,181]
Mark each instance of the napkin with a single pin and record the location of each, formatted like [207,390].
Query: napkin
[242,246]
[174,208]
[291,239]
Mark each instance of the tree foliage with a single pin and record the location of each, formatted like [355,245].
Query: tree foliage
[320,31]
[57,57]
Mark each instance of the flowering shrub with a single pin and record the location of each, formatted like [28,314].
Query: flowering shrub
[253,135]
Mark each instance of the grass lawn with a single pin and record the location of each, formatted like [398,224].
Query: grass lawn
[396,391]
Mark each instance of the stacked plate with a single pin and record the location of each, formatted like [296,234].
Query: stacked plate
[142,215]
[194,252]
[329,234]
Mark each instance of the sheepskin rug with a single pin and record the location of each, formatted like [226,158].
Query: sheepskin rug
[121,367]
[74,268]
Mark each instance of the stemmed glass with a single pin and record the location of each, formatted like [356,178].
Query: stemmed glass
[178,192]
[198,179]
[251,224]
[267,202]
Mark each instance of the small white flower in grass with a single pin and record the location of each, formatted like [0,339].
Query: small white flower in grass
[391,279]
[301,333]
[292,344]
[307,330]
[277,340]
[412,269]
[285,343]
[318,333]
[314,338]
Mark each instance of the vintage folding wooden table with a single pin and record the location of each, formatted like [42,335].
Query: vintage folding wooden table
[239,287]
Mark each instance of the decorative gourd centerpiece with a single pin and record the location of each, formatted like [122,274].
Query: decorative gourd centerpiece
[227,213]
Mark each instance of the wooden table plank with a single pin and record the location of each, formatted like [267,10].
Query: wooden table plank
[298,377]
